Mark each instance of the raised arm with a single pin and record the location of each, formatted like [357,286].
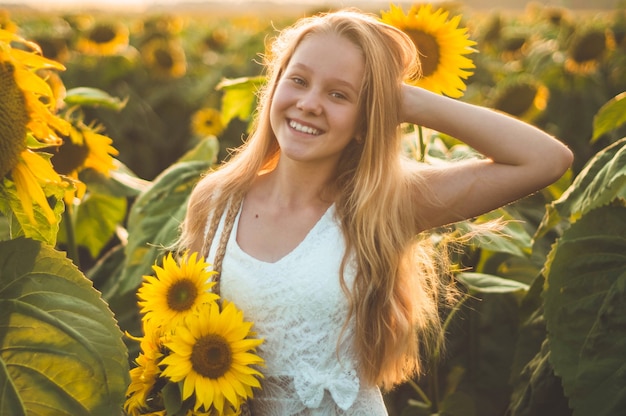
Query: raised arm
[520,159]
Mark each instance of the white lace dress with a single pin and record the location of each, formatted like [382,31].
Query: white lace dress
[298,307]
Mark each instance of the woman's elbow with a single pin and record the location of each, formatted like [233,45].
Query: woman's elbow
[560,160]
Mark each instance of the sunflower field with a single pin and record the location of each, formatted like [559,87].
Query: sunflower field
[109,119]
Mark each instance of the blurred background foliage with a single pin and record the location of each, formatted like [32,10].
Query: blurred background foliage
[174,91]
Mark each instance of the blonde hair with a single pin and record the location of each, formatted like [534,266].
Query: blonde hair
[394,298]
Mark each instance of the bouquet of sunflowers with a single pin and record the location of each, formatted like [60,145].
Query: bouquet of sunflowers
[198,355]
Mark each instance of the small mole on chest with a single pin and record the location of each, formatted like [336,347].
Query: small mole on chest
[256,215]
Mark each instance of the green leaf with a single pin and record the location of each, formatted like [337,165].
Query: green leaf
[120,182]
[172,398]
[155,219]
[539,391]
[207,149]
[61,351]
[93,97]
[508,236]
[97,217]
[484,283]
[41,229]
[601,181]
[239,99]
[611,116]
[458,403]
[585,311]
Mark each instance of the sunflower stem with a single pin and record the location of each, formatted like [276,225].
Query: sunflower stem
[426,403]
[422,143]
[72,249]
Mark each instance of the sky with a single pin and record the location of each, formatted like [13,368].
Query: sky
[146,4]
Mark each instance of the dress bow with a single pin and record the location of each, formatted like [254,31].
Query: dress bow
[343,386]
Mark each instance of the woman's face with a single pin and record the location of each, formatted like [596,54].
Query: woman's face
[315,107]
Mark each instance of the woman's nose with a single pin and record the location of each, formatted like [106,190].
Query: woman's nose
[310,102]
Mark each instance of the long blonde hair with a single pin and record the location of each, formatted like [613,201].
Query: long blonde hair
[394,297]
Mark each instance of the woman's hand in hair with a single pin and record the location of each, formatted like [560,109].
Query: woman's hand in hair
[519,158]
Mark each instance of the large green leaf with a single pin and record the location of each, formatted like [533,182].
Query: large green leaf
[585,311]
[540,391]
[601,181]
[484,283]
[611,116]
[97,216]
[155,218]
[239,97]
[61,352]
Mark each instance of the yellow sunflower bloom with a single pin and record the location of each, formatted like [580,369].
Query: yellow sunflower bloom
[104,39]
[177,291]
[586,51]
[522,97]
[84,148]
[212,355]
[144,377]
[441,44]
[26,110]
[164,58]
[207,122]
[6,23]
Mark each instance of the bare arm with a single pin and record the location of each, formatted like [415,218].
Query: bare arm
[520,159]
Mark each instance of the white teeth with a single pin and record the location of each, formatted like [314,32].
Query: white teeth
[304,129]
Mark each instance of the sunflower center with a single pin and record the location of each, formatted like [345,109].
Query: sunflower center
[182,295]
[70,156]
[211,356]
[13,119]
[102,34]
[589,47]
[163,58]
[428,48]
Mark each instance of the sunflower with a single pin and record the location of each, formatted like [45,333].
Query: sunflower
[556,15]
[522,97]
[53,47]
[441,45]
[139,395]
[83,148]
[216,40]
[177,290]
[104,38]
[207,122]
[165,25]
[586,51]
[212,354]
[27,104]
[165,58]
[53,79]
[6,23]
[513,46]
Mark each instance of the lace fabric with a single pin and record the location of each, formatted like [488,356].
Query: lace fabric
[298,307]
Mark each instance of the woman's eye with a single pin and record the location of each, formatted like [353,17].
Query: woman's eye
[338,95]
[298,81]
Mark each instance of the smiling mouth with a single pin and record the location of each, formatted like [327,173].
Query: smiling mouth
[304,129]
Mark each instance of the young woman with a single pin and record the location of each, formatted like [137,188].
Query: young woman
[324,254]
